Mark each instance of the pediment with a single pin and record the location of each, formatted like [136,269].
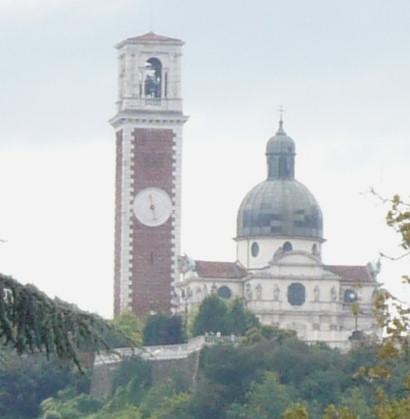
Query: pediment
[295,264]
[296,257]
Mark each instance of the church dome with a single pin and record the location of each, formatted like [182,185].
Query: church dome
[280,206]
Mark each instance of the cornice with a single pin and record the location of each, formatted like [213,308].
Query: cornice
[148,118]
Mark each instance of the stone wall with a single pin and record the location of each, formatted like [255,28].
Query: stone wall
[186,367]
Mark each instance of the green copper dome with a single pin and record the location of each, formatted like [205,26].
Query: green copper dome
[280,206]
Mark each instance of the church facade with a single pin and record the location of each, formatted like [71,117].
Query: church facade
[279,271]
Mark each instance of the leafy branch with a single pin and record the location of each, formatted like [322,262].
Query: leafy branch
[30,322]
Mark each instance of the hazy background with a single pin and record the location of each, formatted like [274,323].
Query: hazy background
[340,69]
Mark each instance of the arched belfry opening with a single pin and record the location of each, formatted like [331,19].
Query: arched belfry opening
[152,78]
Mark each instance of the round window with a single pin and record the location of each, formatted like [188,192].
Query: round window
[287,246]
[350,296]
[224,292]
[255,249]
[296,294]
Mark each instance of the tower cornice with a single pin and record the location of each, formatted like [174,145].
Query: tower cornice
[148,118]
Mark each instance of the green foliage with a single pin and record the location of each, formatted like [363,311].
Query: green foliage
[394,316]
[332,412]
[133,397]
[296,412]
[266,333]
[217,315]
[240,319]
[136,370]
[390,408]
[212,317]
[268,399]
[174,407]
[130,325]
[263,380]
[26,381]
[176,331]
[356,402]
[156,396]
[52,415]
[155,330]
[163,330]
[398,217]
[30,321]
[128,411]
[236,382]
[70,405]
[226,374]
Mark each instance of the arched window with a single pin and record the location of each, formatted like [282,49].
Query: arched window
[314,249]
[287,246]
[255,249]
[296,294]
[152,78]
[283,167]
[224,292]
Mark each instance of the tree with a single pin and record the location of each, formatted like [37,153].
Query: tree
[268,399]
[160,329]
[267,332]
[30,321]
[355,400]
[155,398]
[332,412]
[394,316]
[175,331]
[217,315]
[296,412]
[174,407]
[130,324]
[240,318]
[133,369]
[212,317]
[26,381]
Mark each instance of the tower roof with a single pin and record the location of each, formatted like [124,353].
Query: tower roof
[149,37]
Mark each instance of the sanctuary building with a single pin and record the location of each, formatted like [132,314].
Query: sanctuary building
[279,271]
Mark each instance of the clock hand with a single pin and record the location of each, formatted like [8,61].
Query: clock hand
[152,207]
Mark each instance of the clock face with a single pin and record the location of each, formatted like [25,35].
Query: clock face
[152,206]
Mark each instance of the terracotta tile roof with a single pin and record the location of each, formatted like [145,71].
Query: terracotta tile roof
[151,36]
[351,273]
[208,269]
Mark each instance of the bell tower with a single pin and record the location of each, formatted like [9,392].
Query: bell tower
[148,127]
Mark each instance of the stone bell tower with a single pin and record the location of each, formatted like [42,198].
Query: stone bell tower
[148,127]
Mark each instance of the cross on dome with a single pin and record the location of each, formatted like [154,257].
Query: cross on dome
[280,129]
[281,110]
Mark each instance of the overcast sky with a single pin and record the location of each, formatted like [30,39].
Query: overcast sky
[341,70]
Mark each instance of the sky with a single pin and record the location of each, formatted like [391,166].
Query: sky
[341,71]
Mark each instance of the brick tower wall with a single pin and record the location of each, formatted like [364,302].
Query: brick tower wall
[153,247]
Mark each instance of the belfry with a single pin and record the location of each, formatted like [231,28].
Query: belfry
[148,127]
